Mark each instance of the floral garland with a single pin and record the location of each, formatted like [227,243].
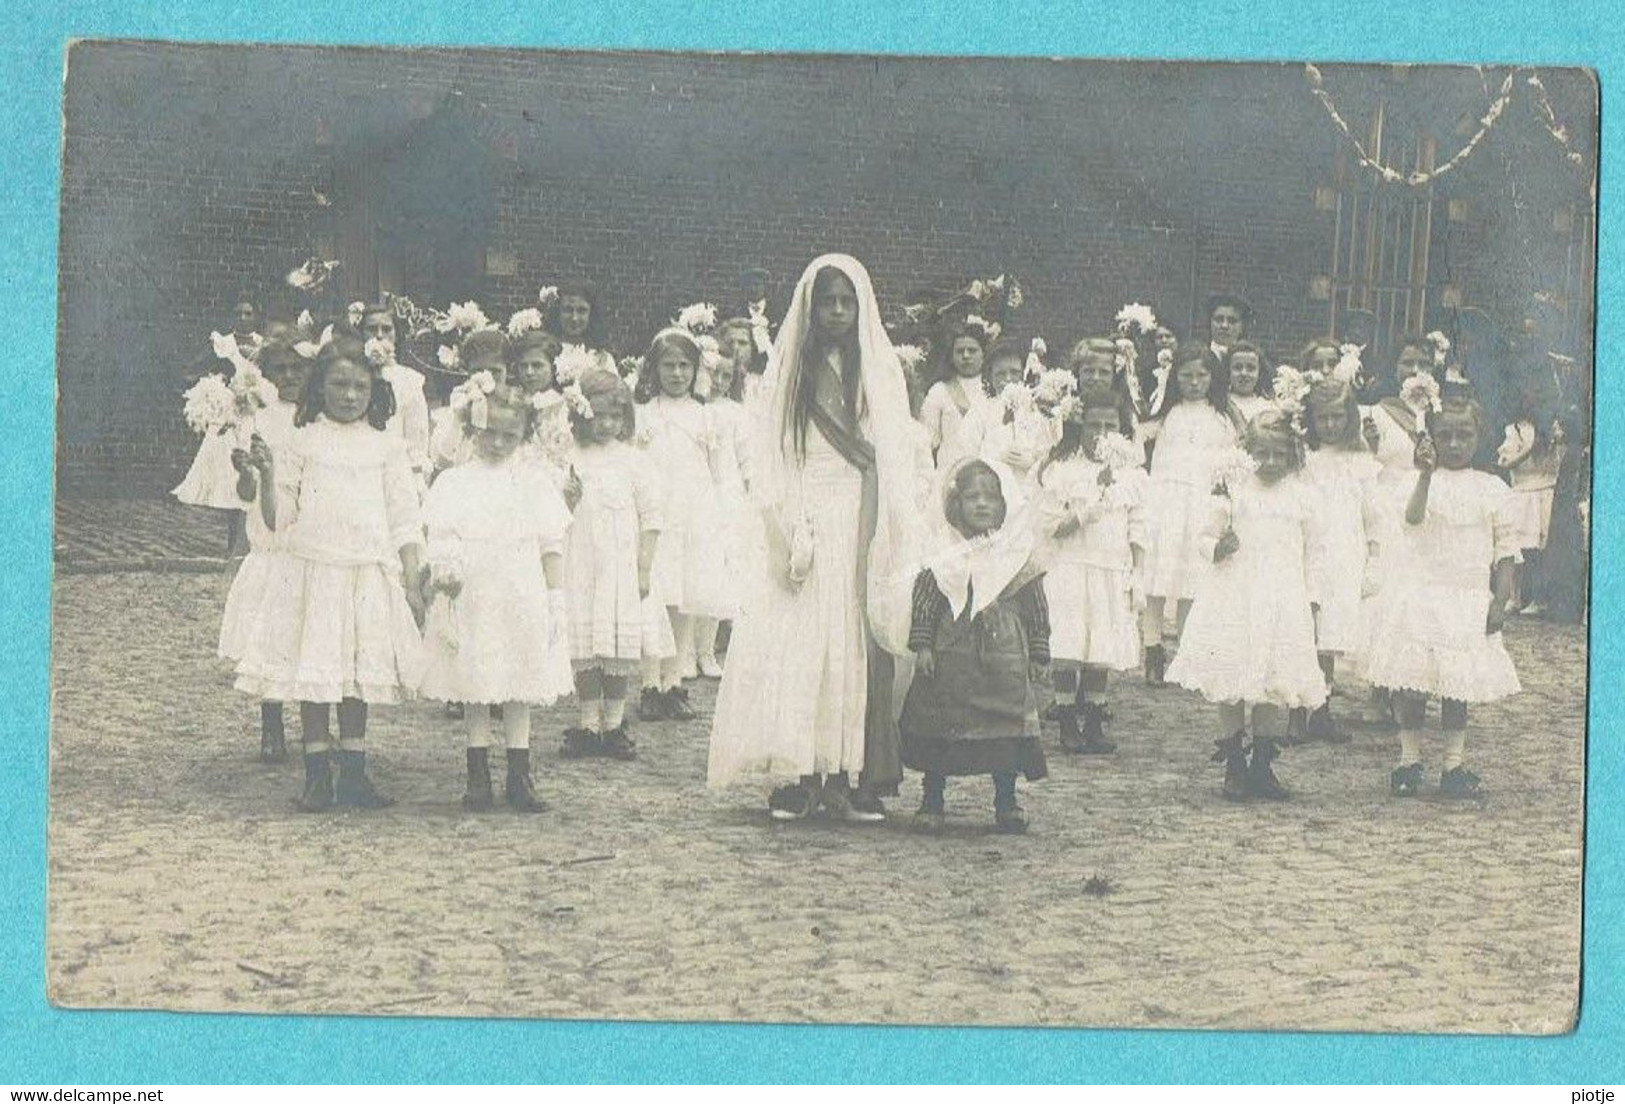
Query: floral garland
[1417,178]
[981,294]
[1548,118]
[311,275]
[470,401]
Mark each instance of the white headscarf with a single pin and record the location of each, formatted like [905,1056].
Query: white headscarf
[981,569]
[894,555]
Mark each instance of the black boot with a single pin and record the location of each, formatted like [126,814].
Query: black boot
[581,743]
[1297,728]
[652,705]
[618,745]
[1320,726]
[1261,781]
[677,707]
[1094,729]
[519,792]
[273,741]
[478,796]
[1232,752]
[354,787]
[318,795]
[1071,736]
[1156,666]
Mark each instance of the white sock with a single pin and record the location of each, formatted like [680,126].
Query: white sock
[705,637]
[592,714]
[477,719]
[1410,746]
[1455,748]
[614,713]
[516,725]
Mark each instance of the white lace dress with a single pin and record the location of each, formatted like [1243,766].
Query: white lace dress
[743,546]
[1191,435]
[682,445]
[610,625]
[945,408]
[1342,482]
[490,524]
[1250,637]
[1090,571]
[334,622]
[1425,627]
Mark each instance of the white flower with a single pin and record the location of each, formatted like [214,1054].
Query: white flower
[459,398]
[1067,408]
[909,356]
[1421,393]
[989,328]
[305,322]
[1013,298]
[523,321]
[354,312]
[300,278]
[209,404]
[1347,369]
[572,363]
[1291,386]
[1136,316]
[1234,465]
[1053,385]
[224,346]
[448,358]
[1039,349]
[463,317]
[1441,346]
[1016,397]
[379,351]
[977,290]
[1117,452]
[579,404]
[484,380]
[1165,359]
[547,294]
[696,317]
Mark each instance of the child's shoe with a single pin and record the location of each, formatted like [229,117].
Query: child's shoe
[1405,781]
[1261,781]
[1156,666]
[1322,727]
[1010,820]
[478,797]
[318,794]
[1095,717]
[865,800]
[618,745]
[354,788]
[676,705]
[838,804]
[519,791]
[1071,735]
[1458,782]
[1232,752]
[652,705]
[581,743]
[791,802]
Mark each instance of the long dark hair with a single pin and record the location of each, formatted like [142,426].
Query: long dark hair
[1218,388]
[597,335]
[346,345]
[813,350]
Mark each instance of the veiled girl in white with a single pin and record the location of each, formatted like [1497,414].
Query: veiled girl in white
[807,697]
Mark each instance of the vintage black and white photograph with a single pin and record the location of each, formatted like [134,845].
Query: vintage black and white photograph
[842,539]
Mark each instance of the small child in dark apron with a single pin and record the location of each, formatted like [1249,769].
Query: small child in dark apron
[980,636]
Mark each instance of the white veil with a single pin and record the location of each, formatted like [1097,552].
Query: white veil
[894,555]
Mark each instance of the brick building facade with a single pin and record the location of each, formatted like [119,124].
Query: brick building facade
[194,175]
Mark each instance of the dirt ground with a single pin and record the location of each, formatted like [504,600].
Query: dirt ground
[181,878]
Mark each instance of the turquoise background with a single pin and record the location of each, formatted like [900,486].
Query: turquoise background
[41,1045]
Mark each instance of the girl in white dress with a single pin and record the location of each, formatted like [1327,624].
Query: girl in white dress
[1532,453]
[687,454]
[807,696]
[411,417]
[497,619]
[962,389]
[1091,497]
[1017,437]
[1435,627]
[1249,382]
[285,370]
[743,545]
[576,315]
[339,621]
[608,563]
[1250,640]
[1189,430]
[1342,473]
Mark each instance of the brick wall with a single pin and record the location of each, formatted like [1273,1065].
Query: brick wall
[194,174]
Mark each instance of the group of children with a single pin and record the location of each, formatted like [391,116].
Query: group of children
[565,524]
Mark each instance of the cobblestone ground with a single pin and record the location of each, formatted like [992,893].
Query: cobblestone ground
[94,535]
[181,878]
